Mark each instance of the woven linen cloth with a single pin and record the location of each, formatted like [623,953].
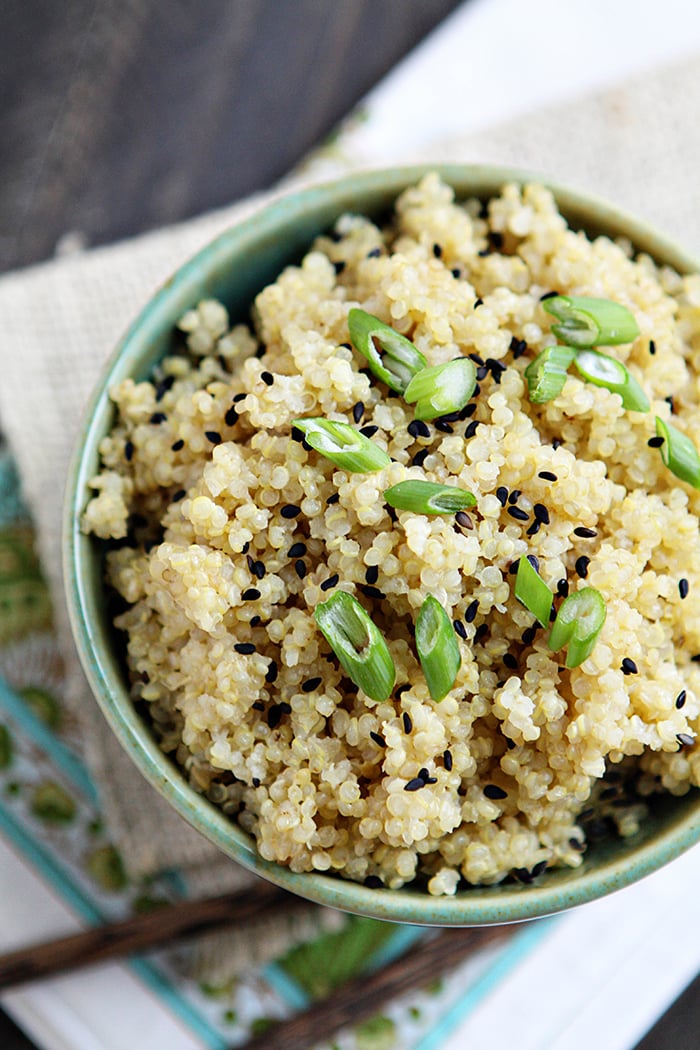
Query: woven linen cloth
[638,145]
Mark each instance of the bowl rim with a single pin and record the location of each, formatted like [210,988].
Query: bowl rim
[478,905]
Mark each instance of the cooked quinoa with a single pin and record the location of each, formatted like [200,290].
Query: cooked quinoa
[232,530]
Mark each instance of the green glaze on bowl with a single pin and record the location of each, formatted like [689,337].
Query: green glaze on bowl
[236,266]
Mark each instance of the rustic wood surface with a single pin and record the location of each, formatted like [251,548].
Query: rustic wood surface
[120,115]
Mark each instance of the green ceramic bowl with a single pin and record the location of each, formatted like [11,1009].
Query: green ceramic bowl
[234,268]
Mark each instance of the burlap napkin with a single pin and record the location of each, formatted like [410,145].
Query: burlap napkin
[639,145]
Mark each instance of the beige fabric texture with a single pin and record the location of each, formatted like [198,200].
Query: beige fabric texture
[638,145]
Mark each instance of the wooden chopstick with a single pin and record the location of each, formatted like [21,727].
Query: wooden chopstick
[166,923]
[363,996]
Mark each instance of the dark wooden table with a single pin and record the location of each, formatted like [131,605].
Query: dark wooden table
[120,115]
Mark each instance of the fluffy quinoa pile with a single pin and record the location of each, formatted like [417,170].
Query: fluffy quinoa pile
[230,530]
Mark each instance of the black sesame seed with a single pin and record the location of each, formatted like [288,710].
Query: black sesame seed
[335,498]
[471,428]
[685,739]
[163,386]
[480,633]
[456,272]
[330,582]
[494,792]
[339,266]
[255,621]
[479,302]
[528,635]
[683,588]
[547,475]
[496,239]
[398,693]
[628,666]
[670,403]
[348,346]
[369,431]
[541,513]
[510,661]
[256,782]
[513,567]
[515,495]
[158,417]
[584,533]
[481,372]
[391,512]
[297,550]
[214,436]
[290,510]
[310,684]
[378,739]
[251,561]
[371,592]
[423,773]
[510,744]
[417,428]
[680,699]
[437,251]
[476,358]
[484,252]
[300,568]
[581,566]
[463,519]
[450,417]
[244,648]
[534,561]
[563,588]
[430,780]
[420,457]
[274,716]
[502,495]
[534,528]
[407,722]
[477,391]
[251,594]
[523,875]
[267,378]
[577,845]
[259,705]
[446,428]
[460,629]
[518,347]
[246,547]
[239,397]
[557,443]
[129,450]
[472,610]
[177,445]
[548,295]
[414,785]
[297,434]
[261,351]
[180,494]
[538,868]
[656,442]
[518,513]
[373,882]
[374,253]
[552,613]
[652,347]
[372,574]
[358,411]
[447,760]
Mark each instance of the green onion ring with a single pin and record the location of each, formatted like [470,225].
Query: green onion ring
[442,389]
[427,497]
[400,361]
[587,322]
[579,622]
[358,643]
[438,649]
[610,373]
[343,445]
[679,453]
[532,591]
[546,375]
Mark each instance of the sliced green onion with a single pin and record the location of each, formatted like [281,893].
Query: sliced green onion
[591,322]
[443,388]
[606,371]
[438,649]
[679,453]
[426,497]
[579,622]
[400,361]
[343,445]
[532,591]
[358,643]
[546,375]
